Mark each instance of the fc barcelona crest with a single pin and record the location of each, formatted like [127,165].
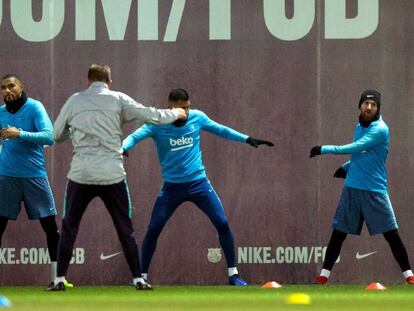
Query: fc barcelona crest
[214,255]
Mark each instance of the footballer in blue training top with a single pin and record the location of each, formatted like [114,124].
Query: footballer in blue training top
[25,129]
[364,197]
[185,179]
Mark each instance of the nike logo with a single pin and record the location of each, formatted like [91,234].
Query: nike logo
[103,257]
[361,256]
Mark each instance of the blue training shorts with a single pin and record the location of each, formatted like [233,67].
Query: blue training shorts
[356,206]
[35,192]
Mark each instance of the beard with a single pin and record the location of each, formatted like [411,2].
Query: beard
[15,104]
[366,119]
[9,97]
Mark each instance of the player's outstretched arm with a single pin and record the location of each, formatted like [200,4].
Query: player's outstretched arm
[134,111]
[316,150]
[228,133]
[135,138]
[254,142]
[371,139]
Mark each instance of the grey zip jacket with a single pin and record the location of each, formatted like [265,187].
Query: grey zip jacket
[93,119]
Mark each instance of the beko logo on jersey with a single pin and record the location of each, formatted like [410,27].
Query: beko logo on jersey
[181,143]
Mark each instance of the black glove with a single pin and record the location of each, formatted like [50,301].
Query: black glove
[316,150]
[125,153]
[340,173]
[256,142]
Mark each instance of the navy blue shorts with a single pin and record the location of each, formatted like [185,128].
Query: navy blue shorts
[356,206]
[35,192]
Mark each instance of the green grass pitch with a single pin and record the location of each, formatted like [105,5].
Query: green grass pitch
[331,297]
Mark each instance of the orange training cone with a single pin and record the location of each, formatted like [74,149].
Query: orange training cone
[375,286]
[272,284]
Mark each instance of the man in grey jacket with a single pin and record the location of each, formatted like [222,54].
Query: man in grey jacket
[93,119]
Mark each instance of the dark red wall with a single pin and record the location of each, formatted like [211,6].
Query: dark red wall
[295,93]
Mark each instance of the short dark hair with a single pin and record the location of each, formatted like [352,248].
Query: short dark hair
[10,76]
[178,94]
[99,72]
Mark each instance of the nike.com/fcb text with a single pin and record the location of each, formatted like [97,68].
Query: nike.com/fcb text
[281,254]
[35,256]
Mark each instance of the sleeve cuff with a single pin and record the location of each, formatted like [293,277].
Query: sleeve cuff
[22,134]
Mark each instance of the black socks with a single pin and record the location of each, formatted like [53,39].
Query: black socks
[49,226]
[334,248]
[398,249]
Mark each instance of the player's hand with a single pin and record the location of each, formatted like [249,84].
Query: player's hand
[316,150]
[256,142]
[182,113]
[340,173]
[10,132]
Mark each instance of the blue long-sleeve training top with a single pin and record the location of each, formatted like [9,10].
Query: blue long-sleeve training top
[366,169]
[24,156]
[179,147]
